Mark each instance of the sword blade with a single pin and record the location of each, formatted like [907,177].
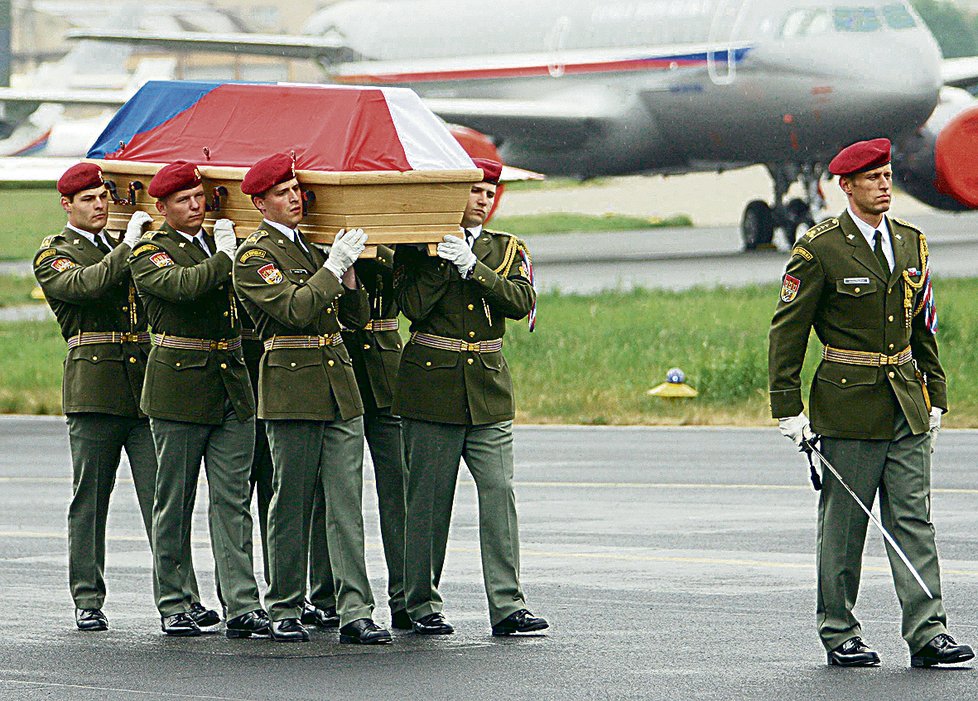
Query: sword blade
[876,522]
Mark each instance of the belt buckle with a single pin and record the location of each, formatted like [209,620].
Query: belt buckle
[471,347]
[219,345]
[888,359]
[322,341]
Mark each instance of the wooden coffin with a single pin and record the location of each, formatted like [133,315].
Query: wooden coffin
[391,207]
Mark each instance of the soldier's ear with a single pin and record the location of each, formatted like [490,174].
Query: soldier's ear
[160,207]
[66,204]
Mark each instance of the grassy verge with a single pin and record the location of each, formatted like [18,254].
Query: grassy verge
[592,359]
[28,216]
[16,289]
[567,222]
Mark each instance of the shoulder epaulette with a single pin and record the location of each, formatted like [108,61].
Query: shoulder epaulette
[150,235]
[49,240]
[144,248]
[907,224]
[821,228]
[256,236]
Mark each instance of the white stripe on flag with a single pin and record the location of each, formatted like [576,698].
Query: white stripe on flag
[426,140]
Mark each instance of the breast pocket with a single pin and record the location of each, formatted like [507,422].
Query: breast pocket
[860,302]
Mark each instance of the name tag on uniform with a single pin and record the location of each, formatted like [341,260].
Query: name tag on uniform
[856,281]
[298,271]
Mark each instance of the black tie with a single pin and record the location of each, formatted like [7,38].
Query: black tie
[301,243]
[200,245]
[878,250]
[469,237]
[101,245]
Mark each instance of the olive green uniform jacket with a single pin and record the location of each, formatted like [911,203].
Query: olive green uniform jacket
[376,354]
[91,291]
[834,284]
[289,293]
[447,386]
[190,295]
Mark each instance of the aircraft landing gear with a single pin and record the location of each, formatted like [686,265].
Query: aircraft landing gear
[760,220]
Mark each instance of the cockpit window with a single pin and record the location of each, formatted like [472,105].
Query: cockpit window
[805,23]
[856,19]
[898,17]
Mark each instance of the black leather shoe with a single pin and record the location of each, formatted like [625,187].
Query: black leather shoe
[289,630]
[433,624]
[400,620]
[941,650]
[364,631]
[520,622]
[91,619]
[254,624]
[853,653]
[312,615]
[180,625]
[203,617]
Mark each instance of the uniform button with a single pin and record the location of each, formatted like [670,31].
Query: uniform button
[857,290]
[471,307]
[843,380]
[891,374]
[366,346]
[890,317]
[177,364]
[292,364]
[470,361]
[329,310]
[398,346]
[225,313]
[471,334]
[482,279]
[125,308]
[132,359]
[94,357]
[224,366]
[427,364]
[330,363]
[302,280]
[891,346]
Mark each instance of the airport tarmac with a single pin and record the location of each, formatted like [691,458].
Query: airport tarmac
[672,563]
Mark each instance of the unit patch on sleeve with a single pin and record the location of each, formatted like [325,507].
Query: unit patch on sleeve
[799,251]
[270,274]
[44,255]
[63,264]
[789,288]
[145,248]
[161,259]
[252,253]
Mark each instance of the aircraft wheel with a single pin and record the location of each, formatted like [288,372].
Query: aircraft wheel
[800,219]
[757,225]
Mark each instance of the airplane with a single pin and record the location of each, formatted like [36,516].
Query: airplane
[584,88]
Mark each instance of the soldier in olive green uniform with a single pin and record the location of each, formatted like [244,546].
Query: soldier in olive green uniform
[87,285]
[199,400]
[862,281]
[375,351]
[309,400]
[455,397]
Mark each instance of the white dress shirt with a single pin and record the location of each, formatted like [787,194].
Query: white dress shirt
[869,233]
[91,237]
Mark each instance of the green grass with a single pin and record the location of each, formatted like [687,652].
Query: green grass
[592,359]
[16,289]
[28,216]
[566,222]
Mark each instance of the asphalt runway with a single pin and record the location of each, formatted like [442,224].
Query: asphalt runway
[672,563]
[681,258]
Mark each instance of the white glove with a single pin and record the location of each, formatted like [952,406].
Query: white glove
[346,248]
[797,428]
[135,228]
[454,249]
[935,425]
[224,237]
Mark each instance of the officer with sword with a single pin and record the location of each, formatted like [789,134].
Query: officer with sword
[863,282]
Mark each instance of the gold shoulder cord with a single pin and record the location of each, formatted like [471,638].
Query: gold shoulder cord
[508,257]
[233,307]
[133,320]
[911,288]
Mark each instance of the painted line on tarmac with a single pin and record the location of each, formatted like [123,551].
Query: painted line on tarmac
[155,693]
[558,485]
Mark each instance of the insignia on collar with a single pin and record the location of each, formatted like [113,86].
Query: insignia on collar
[161,259]
[252,253]
[270,274]
[256,236]
[62,264]
[789,288]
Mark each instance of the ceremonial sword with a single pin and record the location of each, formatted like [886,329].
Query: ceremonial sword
[808,446]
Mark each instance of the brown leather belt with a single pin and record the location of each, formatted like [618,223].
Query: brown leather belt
[852,357]
[90,338]
[198,344]
[455,344]
[276,342]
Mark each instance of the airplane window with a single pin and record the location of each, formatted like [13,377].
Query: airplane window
[856,19]
[808,22]
[898,17]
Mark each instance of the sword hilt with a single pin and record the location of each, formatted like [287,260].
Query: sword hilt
[807,449]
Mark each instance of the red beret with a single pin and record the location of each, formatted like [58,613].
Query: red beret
[491,170]
[860,157]
[267,173]
[179,175]
[81,176]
